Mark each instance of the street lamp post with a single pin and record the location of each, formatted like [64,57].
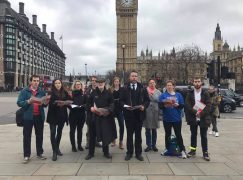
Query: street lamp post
[86,73]
[123,63]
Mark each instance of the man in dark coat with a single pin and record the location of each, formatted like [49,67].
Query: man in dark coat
[198,117]
[134,99]
[102,124]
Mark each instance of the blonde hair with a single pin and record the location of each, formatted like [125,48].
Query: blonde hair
[113,86]
[74,84]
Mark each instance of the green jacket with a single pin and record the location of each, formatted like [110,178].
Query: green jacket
[23,97]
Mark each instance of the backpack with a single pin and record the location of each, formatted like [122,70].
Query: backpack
[20,117]
[173,149]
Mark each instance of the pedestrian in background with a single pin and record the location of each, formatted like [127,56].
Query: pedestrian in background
[57,116]
[34,116]
[102,124]
[77,115]
[171,103]
[115,90]
[151,121]
[134,99]
[214,112]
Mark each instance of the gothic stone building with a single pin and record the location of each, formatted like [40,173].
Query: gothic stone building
[25,49]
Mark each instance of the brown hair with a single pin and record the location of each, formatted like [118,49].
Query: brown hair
[170,81]
[34,76]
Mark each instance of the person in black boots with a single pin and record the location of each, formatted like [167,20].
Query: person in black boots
[77,115]
[134,99]
[198,117]
[57,115]
[102,124]
[88,92]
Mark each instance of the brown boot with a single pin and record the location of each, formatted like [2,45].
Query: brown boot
[121,145]
[113,143]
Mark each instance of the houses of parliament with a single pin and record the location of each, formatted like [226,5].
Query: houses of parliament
[181,64]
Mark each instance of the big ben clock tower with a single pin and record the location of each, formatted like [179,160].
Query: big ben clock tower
[126,13]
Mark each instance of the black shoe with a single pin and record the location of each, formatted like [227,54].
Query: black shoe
[128,157]
[97,144]
[108,155]
[41,157]
[80,148]
[206,156]
[54,156]
[191,153]
[87,146]
[74,149]
[147,149]
[59,153]
[139,157]
[89,156]
[155,149]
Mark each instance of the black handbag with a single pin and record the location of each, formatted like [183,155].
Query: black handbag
[20,117]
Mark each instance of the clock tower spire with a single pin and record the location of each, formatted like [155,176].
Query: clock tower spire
[126,13]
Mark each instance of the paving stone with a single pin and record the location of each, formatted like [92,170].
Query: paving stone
[216,169]
[236,177]
[98,158]
[211,178]
[18,169]
[185,169]
[32,178]
[66,169]
[156,158]
[169,178]
[103,169]
[237,166]
[5,177]
[81,178]
[127,178]
[149,168]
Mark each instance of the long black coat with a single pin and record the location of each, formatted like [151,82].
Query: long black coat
[56,114]
[205,119]
[77,113]
[105,125]
[143,99]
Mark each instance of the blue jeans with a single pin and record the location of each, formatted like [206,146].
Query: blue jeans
[151,138]
[120,118]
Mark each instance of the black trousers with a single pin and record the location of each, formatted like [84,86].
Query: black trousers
[76,124]
[203,133]
[214,124]
[56,135]
[177,129]
[38,124]
[92,139]
[134,126]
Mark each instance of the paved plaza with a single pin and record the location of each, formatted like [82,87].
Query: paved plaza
[225,152]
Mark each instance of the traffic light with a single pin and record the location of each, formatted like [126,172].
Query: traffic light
[210,70]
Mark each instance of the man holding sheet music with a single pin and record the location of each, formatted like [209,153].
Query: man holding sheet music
[33,99]
[197,115]
[134,99]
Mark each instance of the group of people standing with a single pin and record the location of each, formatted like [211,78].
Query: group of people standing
[133,104]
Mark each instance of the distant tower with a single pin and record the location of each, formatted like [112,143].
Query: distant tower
[126,13]
[217,41]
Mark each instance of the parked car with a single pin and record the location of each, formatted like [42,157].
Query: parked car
[231,94]
[227,103]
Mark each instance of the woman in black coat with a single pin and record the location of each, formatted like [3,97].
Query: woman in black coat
[77,115]
[57,115]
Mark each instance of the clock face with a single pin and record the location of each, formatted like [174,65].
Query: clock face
[126,3]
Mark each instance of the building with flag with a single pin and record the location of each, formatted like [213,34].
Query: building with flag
[25,49]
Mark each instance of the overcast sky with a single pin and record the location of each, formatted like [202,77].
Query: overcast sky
[89,27]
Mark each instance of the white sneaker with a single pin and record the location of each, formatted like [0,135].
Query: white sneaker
[216,134]
[183,155]
[26,160]
[163,153]
[211,132]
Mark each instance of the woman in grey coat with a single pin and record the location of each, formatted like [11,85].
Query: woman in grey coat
[151,122]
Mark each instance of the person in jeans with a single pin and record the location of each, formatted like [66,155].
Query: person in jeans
[215,101]
[171,103]
[34,116]
[77,115]
[115,90]
[151,121]
[198,117]
[57,116]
